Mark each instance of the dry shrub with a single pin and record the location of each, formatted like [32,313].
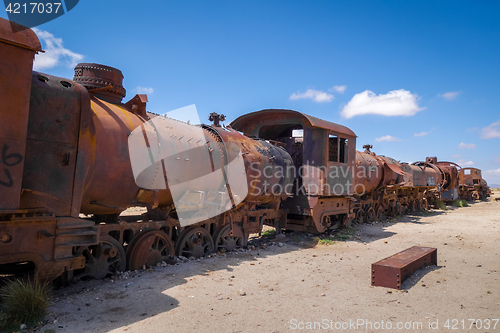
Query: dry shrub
[23,302]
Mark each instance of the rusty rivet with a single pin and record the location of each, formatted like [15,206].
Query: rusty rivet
[5,238]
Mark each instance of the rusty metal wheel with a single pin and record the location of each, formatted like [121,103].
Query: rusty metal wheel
[411,206]
[360,216]
[194,242]
[338,221]
[418,205]
[227,240]
[425,204]
[107,257]
[399,208]
[379,212]
[370,214]
[148,249]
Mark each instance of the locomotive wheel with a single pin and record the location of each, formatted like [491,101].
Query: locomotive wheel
[411,206]
[379,212]
[224,240]
[360,216]
[425,204]
[399,209]
[107,257]
[340,220]
[419,205]
[194,242]
[370,214]
[149,249]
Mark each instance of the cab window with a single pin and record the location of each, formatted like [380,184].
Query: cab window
[337,149]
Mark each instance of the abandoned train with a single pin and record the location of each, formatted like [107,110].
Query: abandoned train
[66,175]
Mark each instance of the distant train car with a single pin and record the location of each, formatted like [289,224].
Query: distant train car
[472,185]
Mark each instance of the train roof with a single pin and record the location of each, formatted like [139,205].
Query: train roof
[251,123]
[16,34]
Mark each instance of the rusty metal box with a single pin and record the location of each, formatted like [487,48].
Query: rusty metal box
[392,271]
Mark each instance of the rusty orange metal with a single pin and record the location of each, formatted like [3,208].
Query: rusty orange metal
[472,185]
[16,63]
[450,189]
[392,271]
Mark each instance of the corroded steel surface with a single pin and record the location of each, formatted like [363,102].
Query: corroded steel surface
[392,271]
[471,184]
[267,166]
[449,191]
[469,176]
[369,172]
[51,151]
[16,62]
[426,174]
[103,80]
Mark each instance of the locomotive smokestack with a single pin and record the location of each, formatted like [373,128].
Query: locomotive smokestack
[101,80]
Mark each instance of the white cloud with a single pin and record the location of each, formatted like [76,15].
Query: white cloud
[456,156]
[492,175]
[492,131]
[388,138]
[316,95]
[465,162]
[55,54]
[421,134]
[339,89]
[395,103]
[450,95]
[144,90]
[466,145]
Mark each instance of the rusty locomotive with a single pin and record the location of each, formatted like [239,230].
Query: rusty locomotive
[66,176]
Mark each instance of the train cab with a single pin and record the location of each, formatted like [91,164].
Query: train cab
[323,156]
[471,183]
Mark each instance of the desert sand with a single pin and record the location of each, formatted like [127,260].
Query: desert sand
[296,285]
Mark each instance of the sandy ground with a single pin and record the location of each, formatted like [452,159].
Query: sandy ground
[292,286]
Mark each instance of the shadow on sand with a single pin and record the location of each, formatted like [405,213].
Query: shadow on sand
[154,300]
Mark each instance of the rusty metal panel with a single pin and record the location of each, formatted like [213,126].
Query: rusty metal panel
[427,174]
[17,51]
[267,167]
[24,235]
[392,271]
[110,161]
[368,173]
[449,192]
[52,142]
[469,176]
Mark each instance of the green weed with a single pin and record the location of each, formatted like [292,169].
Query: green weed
[270,233]
[324,241]
[460,203]
[344,234]
[440,205]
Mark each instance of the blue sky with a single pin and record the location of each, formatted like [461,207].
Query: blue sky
[412,78]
